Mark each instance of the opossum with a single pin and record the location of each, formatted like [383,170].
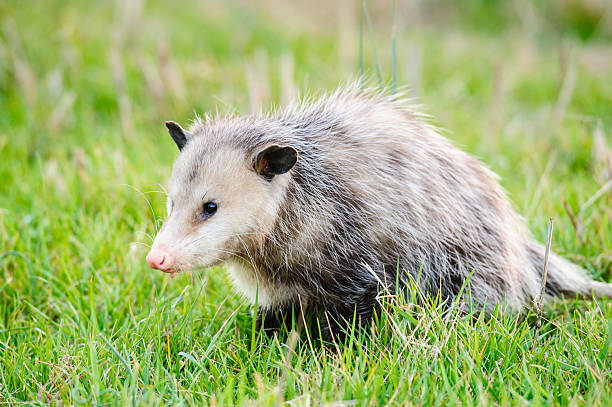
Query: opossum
[326,203]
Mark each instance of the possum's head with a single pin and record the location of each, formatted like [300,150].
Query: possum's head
[222,200]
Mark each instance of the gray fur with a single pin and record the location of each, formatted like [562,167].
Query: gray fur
[375,190]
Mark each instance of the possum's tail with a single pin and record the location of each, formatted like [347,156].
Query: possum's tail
[565,278]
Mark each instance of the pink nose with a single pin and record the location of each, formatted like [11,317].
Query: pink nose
[160,259]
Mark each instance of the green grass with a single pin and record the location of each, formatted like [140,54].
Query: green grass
[83,320]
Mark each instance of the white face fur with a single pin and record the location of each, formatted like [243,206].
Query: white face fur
[218,207]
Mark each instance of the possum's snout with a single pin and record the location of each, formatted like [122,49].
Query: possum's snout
[160,258]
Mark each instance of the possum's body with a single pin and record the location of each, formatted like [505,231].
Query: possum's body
[373,191]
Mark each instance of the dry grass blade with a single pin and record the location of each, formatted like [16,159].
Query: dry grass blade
[600,192]
[393,49]
[170,74]
[545,271]
[123,100]
[287,72]
[496,98]
[373,40]
[257,80]
[154,82]
[540,302]
[346,12]
[602,155]
[565,94]
[62,110]
[570,213]
[541,185]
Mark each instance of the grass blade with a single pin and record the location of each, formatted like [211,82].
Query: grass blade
[373,39]
[393,49]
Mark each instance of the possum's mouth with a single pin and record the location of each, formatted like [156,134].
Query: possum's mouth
[173,272]
[179,269]
[185,268]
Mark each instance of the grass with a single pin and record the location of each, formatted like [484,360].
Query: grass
[84,90]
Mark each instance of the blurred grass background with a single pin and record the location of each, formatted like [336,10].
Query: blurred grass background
[84,89]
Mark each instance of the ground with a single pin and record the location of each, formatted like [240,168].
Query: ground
[84,158]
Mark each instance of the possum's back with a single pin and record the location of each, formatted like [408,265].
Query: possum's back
[390,161]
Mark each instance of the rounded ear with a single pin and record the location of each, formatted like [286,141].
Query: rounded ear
[178,134]
[275,160]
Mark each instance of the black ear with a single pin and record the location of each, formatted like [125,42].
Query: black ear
[178,134]
[275,160]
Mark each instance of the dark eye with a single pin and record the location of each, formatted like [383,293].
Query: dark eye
[209,209]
